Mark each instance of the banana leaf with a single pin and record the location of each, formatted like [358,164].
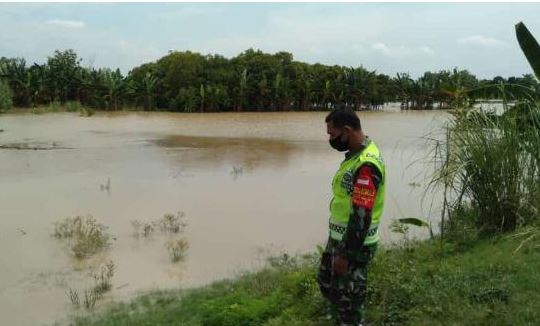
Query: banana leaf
[529,46]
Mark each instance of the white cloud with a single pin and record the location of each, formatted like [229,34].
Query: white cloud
[401,51]
[381,47]
[480,40]
[427,50]
[66,23]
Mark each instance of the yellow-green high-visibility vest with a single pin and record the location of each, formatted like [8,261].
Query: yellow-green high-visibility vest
[342,188]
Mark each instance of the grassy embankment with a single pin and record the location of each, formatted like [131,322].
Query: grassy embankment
[428,283]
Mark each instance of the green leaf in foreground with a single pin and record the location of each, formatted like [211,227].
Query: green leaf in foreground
[529,46]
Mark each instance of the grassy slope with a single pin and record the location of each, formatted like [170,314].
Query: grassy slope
[419,284]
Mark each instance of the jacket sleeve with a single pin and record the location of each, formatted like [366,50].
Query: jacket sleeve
[366,182]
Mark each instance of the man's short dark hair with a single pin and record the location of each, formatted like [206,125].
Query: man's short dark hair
[342,117]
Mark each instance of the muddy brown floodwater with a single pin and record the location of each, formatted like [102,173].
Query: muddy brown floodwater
[250,185]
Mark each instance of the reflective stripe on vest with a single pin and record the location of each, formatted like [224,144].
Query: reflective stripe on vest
[338,231]
[342,188]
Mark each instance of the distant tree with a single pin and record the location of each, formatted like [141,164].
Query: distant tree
[6,96]
[253,80]
[63,80]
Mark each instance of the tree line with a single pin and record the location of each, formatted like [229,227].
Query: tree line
[251,81]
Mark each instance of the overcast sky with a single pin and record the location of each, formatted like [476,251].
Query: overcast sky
[387,37]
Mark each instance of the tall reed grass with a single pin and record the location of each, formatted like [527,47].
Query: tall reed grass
[489,168]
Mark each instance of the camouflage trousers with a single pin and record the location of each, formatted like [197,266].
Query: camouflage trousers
[347,293]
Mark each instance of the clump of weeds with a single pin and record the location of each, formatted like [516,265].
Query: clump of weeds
[171,223]
[142,229]
[84,235]
[103,277]
[73,296]
[90,298]
[86,111]
[177,249]
[102,284]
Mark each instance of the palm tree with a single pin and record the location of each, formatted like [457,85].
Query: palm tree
[457,87]
[365,87]
[326,94]
[37,84]
[146,88]
[404,84]
[15,72]
[116,87]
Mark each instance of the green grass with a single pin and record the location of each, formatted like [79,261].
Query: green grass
[428,283]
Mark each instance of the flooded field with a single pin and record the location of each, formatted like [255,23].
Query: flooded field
[248,185]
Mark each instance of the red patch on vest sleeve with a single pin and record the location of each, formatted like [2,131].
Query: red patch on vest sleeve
[364,189]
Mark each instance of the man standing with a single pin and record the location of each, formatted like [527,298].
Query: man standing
[355,211]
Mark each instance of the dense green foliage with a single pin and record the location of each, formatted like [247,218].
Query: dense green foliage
[253,80]
[6,96]
[417,284]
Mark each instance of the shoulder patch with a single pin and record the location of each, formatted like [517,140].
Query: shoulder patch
[364,189]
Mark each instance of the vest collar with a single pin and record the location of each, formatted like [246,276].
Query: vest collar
[351,154]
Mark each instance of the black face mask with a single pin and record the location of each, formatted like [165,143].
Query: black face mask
[339,144]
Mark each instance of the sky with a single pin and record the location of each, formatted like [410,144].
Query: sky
[385,37]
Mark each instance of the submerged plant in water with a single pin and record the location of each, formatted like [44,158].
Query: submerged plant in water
[103,277]
[173,223]
[73,296]
[90,298]
[169,225]
[141,229]
[102,284]
[177,249]
[85,236]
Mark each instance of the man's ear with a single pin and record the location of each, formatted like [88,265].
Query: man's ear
[347,130]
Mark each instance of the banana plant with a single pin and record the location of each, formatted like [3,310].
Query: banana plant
[529,46]
[145,88]
[116,87]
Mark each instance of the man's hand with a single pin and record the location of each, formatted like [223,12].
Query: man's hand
[340,265]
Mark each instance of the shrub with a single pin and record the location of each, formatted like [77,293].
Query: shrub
[86,111]
[73,106]
[492,166]
[85,236]
[177,249]
[103,277]
[173,223]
